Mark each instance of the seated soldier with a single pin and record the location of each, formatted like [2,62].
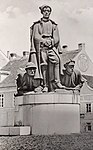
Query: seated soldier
[71,78]
[28,83]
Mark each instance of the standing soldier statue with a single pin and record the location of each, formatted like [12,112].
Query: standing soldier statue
[45,49]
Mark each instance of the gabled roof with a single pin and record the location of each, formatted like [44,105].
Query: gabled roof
[13,66]
[67,55]
[3,59]
[89,80]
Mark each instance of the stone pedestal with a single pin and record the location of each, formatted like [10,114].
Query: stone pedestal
[25,130]
[49,113]
[6,116]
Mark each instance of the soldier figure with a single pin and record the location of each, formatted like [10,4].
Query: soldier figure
[27,82]
[45,49]
[71,77]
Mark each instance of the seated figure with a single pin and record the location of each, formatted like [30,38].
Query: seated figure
[27,83]
[71,78]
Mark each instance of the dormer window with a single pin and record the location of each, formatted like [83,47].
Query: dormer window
[3,75]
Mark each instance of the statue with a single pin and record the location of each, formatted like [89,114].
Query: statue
[43,71]
[45,50]
[27,83]
[71,77]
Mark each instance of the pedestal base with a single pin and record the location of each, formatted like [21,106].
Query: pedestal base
[15,130]
[51,113]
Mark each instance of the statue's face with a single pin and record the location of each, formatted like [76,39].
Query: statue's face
[31,71]
[46,12]
[70,69]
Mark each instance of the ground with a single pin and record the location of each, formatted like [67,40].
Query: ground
[48,142]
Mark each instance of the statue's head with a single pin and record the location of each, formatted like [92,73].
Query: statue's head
[30,69]
[70,66]
[45,10]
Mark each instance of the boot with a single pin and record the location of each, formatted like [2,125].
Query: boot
[59,85]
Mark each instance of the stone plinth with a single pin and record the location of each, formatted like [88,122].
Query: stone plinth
[6,116]
[15,130]
[49,113]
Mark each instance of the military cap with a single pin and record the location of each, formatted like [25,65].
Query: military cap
[69,63]
[43,6]
[30,65]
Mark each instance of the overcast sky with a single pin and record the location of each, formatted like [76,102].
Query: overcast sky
[74,19]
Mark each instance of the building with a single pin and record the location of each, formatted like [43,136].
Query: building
[84,65]
[86,108]
[8,88]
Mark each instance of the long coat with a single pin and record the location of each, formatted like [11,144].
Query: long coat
[36,31]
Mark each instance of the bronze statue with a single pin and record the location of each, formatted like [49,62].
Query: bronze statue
[43,71]
[45,49]
[71,77]
[27,83]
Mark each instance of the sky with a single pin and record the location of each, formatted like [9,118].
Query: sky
[74,19]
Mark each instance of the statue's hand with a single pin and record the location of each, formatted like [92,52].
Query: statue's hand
[77,87]
[38,89]
[48,42]
[43,41]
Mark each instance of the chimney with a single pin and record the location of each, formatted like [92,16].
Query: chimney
[8,53]
[81,46]
[65,48]
[25,54]
[12,56]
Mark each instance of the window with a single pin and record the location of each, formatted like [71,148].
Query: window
[1,100]
[89,126]
[88,107]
